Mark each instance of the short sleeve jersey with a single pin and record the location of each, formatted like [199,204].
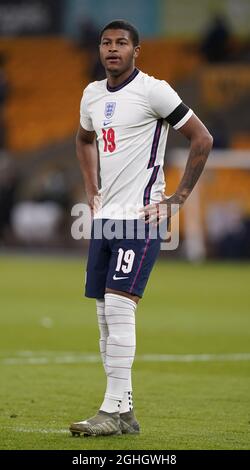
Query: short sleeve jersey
[131,122]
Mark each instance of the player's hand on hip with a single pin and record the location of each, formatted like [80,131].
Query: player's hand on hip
[94,202]
[163,210]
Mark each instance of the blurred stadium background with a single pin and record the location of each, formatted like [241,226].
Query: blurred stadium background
[48,53]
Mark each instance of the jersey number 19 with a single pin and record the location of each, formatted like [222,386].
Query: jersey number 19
[109,140]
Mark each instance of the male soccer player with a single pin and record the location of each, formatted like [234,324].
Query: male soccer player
[128,114]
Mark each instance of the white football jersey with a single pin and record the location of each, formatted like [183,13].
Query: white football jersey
[131,123]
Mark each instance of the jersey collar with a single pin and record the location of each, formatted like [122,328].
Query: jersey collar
[123,84]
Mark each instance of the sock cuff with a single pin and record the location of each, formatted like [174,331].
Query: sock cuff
[120,298]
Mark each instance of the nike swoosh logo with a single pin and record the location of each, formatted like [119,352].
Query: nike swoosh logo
[107,123]
[118,278]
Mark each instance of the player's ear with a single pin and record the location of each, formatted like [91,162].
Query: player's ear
[137,51]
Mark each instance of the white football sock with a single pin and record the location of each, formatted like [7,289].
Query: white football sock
[103,328]
[120,349]
[127,401]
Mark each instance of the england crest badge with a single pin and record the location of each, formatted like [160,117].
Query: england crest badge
[109,109]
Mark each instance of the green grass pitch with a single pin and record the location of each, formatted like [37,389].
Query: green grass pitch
[50,374]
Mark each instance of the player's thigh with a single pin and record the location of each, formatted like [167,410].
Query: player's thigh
[97,268]
[130,265]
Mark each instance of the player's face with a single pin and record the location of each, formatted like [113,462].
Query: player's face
[117,51]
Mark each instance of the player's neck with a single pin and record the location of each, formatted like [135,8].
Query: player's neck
[114,81]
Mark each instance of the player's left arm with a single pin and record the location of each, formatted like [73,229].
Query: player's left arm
[201,143]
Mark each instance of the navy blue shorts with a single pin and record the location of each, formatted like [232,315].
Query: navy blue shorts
[124,262]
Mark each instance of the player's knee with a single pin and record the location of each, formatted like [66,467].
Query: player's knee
[135,298]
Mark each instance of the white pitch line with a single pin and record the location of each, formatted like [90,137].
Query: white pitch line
[234,357]
[55,357]
[40,431]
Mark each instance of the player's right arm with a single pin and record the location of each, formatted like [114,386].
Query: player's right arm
[87,155]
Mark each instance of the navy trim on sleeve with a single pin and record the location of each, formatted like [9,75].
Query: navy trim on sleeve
[178,114]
